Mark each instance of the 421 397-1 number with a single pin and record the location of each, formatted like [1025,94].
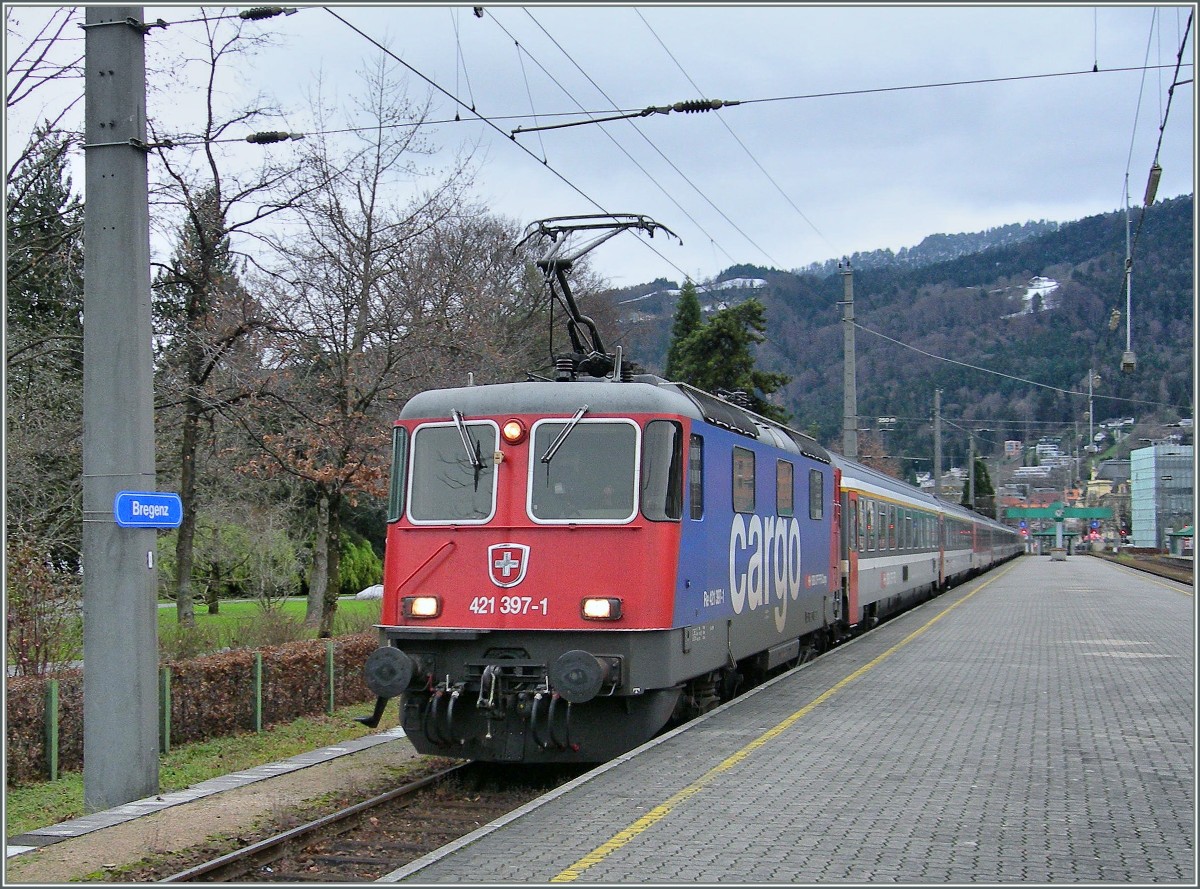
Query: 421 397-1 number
[509,605]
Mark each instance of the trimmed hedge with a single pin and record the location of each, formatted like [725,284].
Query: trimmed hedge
[211,696]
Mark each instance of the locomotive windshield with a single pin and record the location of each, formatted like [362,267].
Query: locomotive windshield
[592,477]
[448,482]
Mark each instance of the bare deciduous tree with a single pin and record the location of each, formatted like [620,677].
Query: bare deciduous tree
[350,339]
[42,65]
[205,313]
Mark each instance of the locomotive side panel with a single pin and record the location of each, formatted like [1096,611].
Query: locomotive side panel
[756,542]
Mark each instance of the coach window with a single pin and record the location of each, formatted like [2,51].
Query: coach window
[662,471]
[909,541]
[891,526]
[784,492]
[872,526]
[743,480]
[696,475]
[816,494]
[860,509]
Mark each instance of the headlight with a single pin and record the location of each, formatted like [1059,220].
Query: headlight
[513,432]
[421,606]
[601,609]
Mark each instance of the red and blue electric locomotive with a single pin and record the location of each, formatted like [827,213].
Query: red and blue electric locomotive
[574,564]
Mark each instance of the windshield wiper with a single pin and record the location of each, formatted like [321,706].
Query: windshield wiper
[562,436]
[472,448]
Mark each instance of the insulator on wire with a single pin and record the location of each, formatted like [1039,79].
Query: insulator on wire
[273,136]
[1152,184]
[265,12]
[694,106]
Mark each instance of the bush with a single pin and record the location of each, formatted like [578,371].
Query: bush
[43,624]
[271,626]
[358,567]
[252,558]
[348,623]
[211,696]
[181,643]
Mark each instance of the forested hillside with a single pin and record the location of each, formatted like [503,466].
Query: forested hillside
[981,310]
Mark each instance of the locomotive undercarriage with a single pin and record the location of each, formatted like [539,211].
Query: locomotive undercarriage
[528,701]
[501,724]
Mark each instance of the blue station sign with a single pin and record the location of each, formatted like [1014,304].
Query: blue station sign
[147,509]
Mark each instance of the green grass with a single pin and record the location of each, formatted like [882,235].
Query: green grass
[233,613]
[42,803]
[244,624]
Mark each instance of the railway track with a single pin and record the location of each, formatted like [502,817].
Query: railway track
[1159,565]
[369,839]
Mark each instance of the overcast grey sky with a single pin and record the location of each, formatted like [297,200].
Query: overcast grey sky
[829,152]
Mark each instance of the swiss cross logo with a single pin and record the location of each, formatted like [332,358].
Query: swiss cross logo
[507,563]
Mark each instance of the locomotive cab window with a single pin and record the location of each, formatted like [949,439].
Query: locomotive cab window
[743,480]
[590,475]
[396,481]
[662,471]
[451,475]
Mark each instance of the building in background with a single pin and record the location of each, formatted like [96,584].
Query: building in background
[1162,484]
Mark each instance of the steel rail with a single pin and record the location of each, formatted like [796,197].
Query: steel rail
[275,847]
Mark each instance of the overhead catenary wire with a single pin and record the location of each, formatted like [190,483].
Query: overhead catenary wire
[669,162]
[1175,81]
[1006,376]
[638,112]
[490,123]
[736,138]
[818,95]
[621,148]
[460,62]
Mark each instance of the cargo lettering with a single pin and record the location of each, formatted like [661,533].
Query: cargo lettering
[764,564]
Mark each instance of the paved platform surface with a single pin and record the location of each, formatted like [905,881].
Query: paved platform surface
[45,836]
[1035,725]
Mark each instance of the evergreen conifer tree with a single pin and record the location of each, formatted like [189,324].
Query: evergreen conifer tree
[717,357]
[687,320]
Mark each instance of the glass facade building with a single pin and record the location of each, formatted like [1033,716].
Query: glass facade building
[1162,485]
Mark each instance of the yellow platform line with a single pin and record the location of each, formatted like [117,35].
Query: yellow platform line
[665,808]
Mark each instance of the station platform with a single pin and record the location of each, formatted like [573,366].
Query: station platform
[1034,725]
